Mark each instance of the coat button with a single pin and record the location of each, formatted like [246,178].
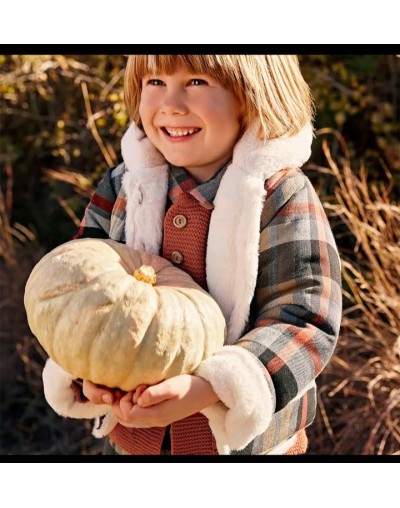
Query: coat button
[179,221]
[176,257]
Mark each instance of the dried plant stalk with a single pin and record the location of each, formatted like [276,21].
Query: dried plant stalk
[360,388]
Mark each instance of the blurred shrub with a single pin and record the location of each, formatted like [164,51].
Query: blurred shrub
[59,112]
[358,95]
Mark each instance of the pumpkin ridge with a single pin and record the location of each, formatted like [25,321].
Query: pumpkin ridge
[166,353]
[111,316]
[204,311]
[188,340]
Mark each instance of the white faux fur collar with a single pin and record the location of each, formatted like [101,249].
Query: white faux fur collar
[233,239]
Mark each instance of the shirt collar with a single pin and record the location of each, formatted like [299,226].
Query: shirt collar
[181,182]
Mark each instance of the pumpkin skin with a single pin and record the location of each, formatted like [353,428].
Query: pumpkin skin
[98,322]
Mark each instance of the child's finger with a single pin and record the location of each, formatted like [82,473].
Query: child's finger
[155,394]
[126,404]
[138,392]
[97,394]
[118,394]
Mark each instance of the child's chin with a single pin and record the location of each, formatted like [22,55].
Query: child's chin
[179,162]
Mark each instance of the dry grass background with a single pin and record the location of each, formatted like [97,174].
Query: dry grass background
[358,392]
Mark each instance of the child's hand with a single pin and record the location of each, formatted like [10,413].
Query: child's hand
[161,404]
[99,394]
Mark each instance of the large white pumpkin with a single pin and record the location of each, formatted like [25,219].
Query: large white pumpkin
[98,322]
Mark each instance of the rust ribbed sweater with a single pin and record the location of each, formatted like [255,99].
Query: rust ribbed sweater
[185,231]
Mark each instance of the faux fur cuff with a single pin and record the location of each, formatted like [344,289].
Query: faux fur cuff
[61,397]
[247,400]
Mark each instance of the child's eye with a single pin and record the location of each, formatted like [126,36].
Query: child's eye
[198,82]
[155,82]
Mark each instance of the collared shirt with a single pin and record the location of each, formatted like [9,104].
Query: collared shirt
[105,204]
[180,181]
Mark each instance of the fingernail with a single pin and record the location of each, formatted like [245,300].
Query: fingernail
[107,398]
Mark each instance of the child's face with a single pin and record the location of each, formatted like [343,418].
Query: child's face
[191,119]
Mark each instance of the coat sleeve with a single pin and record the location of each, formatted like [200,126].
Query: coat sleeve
[61,397]
[295,317]
[103,206]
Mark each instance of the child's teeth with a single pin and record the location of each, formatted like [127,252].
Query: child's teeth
[178,133]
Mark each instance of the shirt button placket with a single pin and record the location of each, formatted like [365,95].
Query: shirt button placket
[177,257]
[179,221]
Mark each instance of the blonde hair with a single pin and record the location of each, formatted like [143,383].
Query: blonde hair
[269,87]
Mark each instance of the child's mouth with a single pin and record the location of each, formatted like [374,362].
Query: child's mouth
[180,133]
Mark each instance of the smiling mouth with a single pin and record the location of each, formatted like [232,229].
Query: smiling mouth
[178,133]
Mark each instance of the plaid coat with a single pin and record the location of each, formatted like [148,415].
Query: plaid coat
[283,313]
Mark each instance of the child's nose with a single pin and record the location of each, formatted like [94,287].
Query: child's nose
[174,103]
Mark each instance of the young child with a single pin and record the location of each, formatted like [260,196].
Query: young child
[211,181]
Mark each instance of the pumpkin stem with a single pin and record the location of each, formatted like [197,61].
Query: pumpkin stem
[145,273]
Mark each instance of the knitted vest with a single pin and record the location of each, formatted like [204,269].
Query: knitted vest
[186,227]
